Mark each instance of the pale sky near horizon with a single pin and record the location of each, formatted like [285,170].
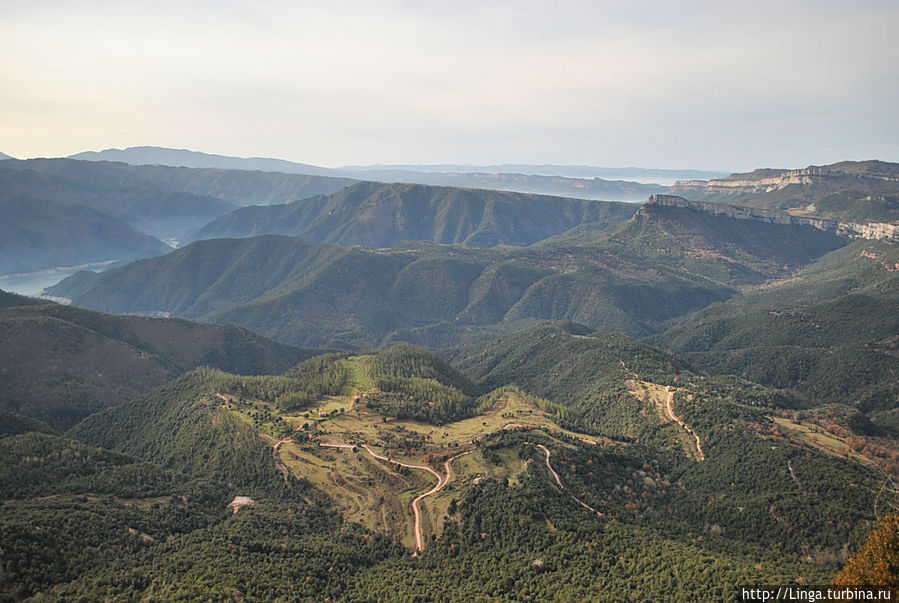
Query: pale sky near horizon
[679,84]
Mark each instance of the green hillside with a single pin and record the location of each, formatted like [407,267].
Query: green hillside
[327,296]
[860,206]
[829,333]
[167,425]
[14,424]
[59,363]
[594,492]
[383,215]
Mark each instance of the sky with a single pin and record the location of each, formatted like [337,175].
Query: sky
[703,84]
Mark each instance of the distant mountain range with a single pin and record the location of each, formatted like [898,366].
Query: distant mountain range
[194,159]
[527,179]
[595,188]
[658,175]
[149,155]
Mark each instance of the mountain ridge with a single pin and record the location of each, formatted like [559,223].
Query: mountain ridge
[384,215]
[590,188]
[873,231]
[338,296]
[859,191]
[37,235]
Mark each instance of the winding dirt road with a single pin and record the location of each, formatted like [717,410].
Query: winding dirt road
[795,478]
[700,455]
[278,464]
[442,481]
[559,481]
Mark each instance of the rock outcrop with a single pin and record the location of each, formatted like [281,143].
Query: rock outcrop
[847,229]
[846,174]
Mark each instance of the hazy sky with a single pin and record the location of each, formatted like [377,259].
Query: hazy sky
[716,84]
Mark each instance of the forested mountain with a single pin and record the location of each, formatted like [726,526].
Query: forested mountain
[849,191]
[163,201]
[13,424]
[383,215]
[830,333]
[36,235]
[663,263]
[59,363]
[602,490]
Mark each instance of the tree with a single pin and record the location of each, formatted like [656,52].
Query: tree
[877,563]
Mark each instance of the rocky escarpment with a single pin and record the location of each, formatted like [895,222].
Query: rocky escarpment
[844,175]
[847,229]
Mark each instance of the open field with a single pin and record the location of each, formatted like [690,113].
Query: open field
[816,437]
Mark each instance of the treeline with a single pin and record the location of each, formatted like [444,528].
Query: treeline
[415,384]
[404,361]
[182,427]
[297,389]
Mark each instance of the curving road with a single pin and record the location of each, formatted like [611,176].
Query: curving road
[559,481]
[442,481]
[700,455]
[278,464]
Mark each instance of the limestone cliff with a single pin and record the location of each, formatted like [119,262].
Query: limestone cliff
[848,229]
[847,174]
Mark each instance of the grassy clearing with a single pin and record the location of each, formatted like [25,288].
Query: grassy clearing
[816,437]
[378,494]
[359,380]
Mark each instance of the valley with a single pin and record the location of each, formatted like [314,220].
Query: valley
[462,302]
[679,396]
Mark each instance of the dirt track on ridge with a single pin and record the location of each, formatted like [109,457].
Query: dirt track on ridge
[442,481]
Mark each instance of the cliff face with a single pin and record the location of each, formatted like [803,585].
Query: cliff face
[845,175]
[848,229]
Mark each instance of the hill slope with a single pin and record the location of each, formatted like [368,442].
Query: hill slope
[60,364]
[164,201]
[512,483]
[35,235]
[327,295]
[383,215]
[829,332]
